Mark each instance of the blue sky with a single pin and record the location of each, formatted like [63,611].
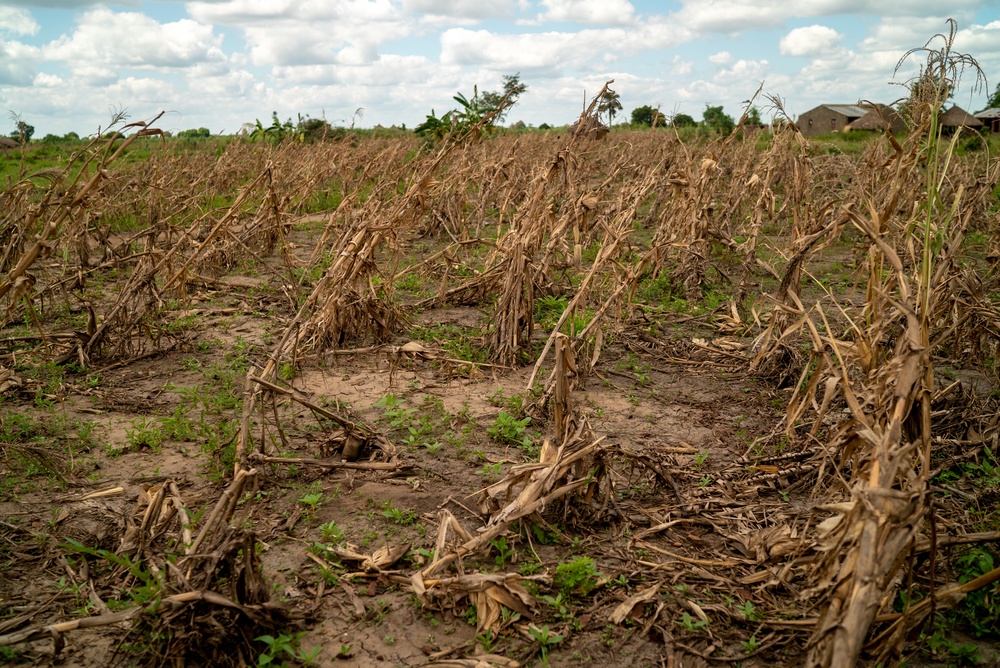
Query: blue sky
[66,65]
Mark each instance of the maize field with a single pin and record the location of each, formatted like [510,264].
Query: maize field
[511,399]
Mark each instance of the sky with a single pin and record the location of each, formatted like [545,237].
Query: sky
[71,65]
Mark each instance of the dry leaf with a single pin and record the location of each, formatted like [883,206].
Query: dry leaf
[384,557]
[624,609]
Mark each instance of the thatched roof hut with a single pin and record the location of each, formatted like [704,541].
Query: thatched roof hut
[956,117]
[879,118]
[7,142]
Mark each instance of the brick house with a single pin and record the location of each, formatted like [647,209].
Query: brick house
[827,118]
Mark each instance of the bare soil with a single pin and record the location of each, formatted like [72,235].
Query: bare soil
[694,419]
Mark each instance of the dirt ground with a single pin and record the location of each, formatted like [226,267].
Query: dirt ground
[693,418]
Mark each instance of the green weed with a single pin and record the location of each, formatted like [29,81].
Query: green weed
[508,429]
[286,647]
[545,639]
[579,576]
[144,434]
[399,516]
[690,624]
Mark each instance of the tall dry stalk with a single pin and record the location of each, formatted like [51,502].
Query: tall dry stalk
[516,250]
[886,377]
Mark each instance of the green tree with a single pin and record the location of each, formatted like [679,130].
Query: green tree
[753,117]
[318,129]
[610,104]
[716,119]
[994,100]
[648,116]
[22,131]
[200,133]
[482,111]
[513,88]
[683,121]
[275,133]
[433,127]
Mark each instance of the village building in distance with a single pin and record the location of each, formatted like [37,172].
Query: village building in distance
[990,118]
[828,118]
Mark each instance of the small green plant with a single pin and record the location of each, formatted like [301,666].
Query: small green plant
[398,417]
[409,283]
[942,646]
[505,552]
[331,532]
[529,568]
[980,609]
[548,310]
[178,426]
[508,429]
[148,584]
[485,640]
[560,604]
[313,499]
[579,576]
[749,611]
[10,655]
[398,515]
[700,459]
[690,624]
[545,639]
[144,434]
[490,472]
[283,647]
[749,646]
[470,615]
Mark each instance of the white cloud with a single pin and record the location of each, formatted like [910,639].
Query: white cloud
[17,21]
[745,73]
[237,87]
[461,9]
[740,15]
[720,58]
[527,52]
[290,32]
[900,34]
[554,52]
[607,12]
[105,41]
[17,63]
[680,67]
[810,41]
[65,4]
[264,12]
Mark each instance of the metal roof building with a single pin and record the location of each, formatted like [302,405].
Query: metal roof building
[828,118]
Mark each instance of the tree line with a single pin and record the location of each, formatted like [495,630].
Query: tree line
[484,111]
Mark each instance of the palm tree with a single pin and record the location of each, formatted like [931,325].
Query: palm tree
[609,104]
